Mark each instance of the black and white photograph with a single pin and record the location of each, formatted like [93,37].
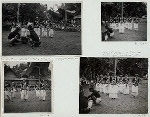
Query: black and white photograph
[27,87]
[45,28]
[124,21]
[113,86]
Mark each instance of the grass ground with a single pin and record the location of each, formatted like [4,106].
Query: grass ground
[131,35]
[125,104]
[33,104]
[63,43]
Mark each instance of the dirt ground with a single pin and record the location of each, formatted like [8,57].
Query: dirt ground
[63,43]
[131,35]
[33,104]
[125,104]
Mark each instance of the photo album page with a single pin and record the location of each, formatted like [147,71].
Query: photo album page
[74,58]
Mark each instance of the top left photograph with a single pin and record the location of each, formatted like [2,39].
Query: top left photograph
[45,28]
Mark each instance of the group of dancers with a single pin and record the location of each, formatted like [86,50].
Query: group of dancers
[108,27]
[108,85]
[10,91]
[42,30]
[117,85]
[124,23]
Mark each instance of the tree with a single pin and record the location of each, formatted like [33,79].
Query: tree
[92,67]
[27,11]
[130,9]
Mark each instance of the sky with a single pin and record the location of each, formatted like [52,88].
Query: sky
[11,64]
[14,63]
[52,4]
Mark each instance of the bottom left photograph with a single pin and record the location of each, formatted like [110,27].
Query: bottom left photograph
[27,87]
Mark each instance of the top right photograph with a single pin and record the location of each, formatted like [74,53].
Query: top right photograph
[124,21]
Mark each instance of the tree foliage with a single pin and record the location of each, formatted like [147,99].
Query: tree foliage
[130,9]
[33,11]
[28,11]
[92,67]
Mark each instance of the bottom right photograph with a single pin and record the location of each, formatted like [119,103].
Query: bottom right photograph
[113,85]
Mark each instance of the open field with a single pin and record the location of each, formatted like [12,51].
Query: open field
[131,35]
[63,43]
[125,104]
[33,104]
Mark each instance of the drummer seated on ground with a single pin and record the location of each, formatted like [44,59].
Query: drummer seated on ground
[83,104]
[95,96]
[14,36]
[33,37]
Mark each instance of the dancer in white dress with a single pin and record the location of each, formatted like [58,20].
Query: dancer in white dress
[37,90]
[113,92]
[97,87]
[136,24]
[107,86]
[121,27]
[135,84]
[13,92]
[7,94]
[121,86]
[24,92]
[126,85]
[42,93]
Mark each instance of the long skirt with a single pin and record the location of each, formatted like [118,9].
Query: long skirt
[51,33]
[13,93]
[130,26]
[126,89]
[24,94]
[45,33]
[43,94]
[126,25]
[113,92]
[38,93]
[42,30]
[135,26]
[134,90]
[101,88]
[117,26]
[7,94]
[106,88]
[121,28]
[121,88]
[114,25]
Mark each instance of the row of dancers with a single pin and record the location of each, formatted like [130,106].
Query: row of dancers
[113,89]
[10,92]
[40,31]
[108,27]
[124,19]
[121,26]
